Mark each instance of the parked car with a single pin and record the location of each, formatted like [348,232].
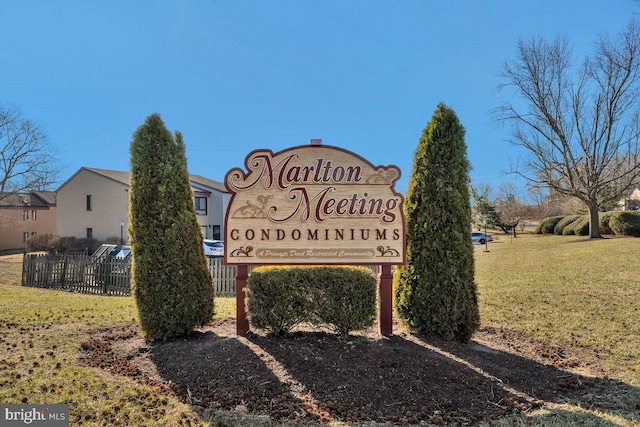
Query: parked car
[478,237]
[120,252]
[114,251]
[213,248]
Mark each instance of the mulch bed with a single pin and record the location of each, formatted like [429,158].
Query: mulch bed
[317,375]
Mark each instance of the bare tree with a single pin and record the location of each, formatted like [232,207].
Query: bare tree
[579,126]
[511,209]
[27,160]
[545,203]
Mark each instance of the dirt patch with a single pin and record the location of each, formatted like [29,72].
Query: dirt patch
[320,376]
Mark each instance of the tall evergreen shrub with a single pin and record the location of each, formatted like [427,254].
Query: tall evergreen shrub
[435,292]
[173,287]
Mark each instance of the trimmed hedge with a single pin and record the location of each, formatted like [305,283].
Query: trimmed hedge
[547,225]
[580,227]
[625,223]
[604,219]
[564,223]
[620,223]
[280,298]
[346,298]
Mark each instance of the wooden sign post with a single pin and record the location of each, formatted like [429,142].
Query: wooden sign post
[314,204]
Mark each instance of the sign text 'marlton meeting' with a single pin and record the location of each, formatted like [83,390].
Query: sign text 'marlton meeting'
[318,195]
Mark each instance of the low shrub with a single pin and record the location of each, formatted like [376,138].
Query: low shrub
[346,298]
[42,242]
[547,225]
[580,227]
[563,223]
[625,223]
[75,244]
[280,298]
[603,219]
[113,240]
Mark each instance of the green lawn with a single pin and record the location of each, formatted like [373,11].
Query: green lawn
[566,290]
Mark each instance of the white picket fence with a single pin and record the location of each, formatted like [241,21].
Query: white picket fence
[224,277]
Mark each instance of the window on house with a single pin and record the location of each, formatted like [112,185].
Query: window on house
[89,233]
[33,215]
[25,237]
[216,232]
[204,230]
[89,202]
[33,233]
[25,215]
[201,205]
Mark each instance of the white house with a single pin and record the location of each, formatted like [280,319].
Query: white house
[95,203]
[631,202]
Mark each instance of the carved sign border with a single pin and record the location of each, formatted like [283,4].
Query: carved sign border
[313,204]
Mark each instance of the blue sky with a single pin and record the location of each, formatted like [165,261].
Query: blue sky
[234,76]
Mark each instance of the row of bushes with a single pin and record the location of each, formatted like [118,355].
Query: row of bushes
[280,298]
[51,243]
[620,223]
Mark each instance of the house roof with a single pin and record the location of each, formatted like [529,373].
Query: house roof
[123,178]
[41,199]
[208,183]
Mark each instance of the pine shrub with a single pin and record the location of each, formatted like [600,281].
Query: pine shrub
[435,292]
[172,284]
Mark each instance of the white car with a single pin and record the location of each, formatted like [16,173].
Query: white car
[213,248]
[478,237]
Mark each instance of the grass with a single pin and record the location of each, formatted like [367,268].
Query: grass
[570,290]
[565,290]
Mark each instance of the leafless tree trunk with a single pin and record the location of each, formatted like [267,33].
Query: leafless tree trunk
[580,127]
[27,160]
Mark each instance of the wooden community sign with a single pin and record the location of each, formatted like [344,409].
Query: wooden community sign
[314,204]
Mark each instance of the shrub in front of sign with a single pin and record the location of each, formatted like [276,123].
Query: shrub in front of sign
[172,284]
[281,298]
[345,297]
[435,292]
